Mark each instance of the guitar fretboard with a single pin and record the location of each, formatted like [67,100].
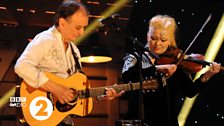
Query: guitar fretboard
[93,92]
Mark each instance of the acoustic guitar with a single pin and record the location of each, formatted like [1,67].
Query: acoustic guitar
[82,103]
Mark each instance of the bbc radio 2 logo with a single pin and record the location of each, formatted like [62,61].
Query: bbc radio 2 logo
[17,102]
[40,108]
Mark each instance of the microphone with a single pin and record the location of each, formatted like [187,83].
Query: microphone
[140,46]
[108,20]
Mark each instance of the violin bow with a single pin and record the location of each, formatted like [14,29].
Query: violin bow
[189,46]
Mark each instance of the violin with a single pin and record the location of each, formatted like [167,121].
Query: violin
[192,63]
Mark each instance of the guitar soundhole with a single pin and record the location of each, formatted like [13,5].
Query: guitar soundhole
[68,106]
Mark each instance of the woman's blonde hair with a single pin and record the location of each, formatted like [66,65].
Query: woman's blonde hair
[164,22]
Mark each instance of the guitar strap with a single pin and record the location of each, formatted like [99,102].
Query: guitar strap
[76,58]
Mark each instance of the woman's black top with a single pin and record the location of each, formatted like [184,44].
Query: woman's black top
[159,106]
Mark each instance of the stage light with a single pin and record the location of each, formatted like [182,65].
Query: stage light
[96,54]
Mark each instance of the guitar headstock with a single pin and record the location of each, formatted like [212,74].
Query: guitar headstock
[150,84]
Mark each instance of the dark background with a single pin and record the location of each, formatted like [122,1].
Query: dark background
[190,16]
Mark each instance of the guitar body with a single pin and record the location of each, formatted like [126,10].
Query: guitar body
[80,107]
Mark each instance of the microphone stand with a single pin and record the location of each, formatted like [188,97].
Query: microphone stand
[140,50]
[140,102]
[135,42]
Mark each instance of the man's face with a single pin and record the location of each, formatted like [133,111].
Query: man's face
[73,26]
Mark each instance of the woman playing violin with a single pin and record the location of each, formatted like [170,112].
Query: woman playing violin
[159,104]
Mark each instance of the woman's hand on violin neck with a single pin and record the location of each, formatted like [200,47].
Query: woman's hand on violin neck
[214,68]
[167,69]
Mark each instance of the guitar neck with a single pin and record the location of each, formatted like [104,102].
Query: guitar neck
[93,92]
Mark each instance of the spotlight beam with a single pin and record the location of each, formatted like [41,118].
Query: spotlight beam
[111,10]
[5,97]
